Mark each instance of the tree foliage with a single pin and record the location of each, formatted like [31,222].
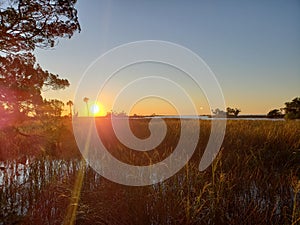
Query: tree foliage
[292,109]
[50,108]
[275,113]
[219,113]
[21,83]
[27,24]
[86,100]
[24,26]
[70,104]
[233,112]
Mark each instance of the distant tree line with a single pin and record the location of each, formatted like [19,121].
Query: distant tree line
[290,111]
[230,112]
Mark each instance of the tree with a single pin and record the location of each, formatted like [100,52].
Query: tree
[236,112]
[219,113]
[86,100]
[70,104]
[233,112]
[292,109]
[50,108]
[25,25]
[21,83]
[275,113]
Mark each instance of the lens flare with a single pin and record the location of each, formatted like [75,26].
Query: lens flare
[95,109]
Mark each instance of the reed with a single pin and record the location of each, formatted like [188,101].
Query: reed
[254,179]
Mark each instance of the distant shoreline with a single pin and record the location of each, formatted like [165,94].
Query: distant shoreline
[201,117]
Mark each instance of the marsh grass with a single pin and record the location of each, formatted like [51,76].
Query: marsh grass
[255,179]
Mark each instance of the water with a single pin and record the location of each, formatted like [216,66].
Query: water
[41,189]
[210,118]
[21,185]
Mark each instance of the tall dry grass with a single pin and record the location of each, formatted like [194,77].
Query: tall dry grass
[255,179]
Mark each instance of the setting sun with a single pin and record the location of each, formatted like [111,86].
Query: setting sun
[97,109]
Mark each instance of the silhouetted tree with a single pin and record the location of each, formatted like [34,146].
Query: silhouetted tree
[70,104]
[275,113]
[236,112]
[233,112]
[292,109]
[86,100]
[25,25]
[21,83]
[50,108]
[219,113]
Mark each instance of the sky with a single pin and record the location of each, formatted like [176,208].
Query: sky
[252,47]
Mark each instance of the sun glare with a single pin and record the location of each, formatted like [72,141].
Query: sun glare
[97,109]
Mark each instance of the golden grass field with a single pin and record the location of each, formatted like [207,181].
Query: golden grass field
[255,178]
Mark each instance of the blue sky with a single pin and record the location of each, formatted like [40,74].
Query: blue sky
[253,47]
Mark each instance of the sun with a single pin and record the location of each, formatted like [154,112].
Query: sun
[97,109]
